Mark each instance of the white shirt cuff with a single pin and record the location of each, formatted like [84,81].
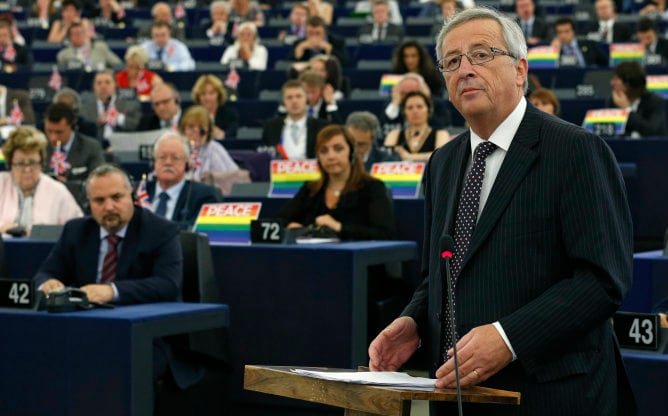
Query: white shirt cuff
[392,111]
[113,286]
[499,328]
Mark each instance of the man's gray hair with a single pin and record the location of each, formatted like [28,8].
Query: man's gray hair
[107,169]
[363,121]
[512,33]
[70,93]
[173,135]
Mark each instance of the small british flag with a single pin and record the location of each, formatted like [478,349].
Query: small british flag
[9,55]
[55,81]
[142,194]
[179,11]
[58,163]
[233,79]
[16,115]
[195,163]
[112,115]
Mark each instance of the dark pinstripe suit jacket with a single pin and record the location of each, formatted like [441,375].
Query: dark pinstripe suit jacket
[550,258]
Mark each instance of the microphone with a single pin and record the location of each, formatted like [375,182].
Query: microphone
[446,246]
[281,151]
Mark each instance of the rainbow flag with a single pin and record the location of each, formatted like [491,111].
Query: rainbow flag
[227,223]
[287,176]
[607,121]
[387,81]
[403,178]
[620,52]
[658,84]
[543,57]
[2,160]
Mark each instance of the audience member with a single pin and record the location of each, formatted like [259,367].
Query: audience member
[545,101]
[135,75]
[9,96]
[168,52]
[573,51]
[297,31]
[12,55]
[535,29]
[71,98]
[70,12]
[321,103]
[444,10]
[345,199]
[107,110]
[172,196]
[108,13]
[27,196]
[245,11]
[217,28]
[418,140]
[365,6]
[381,29]
[296,132]
[45,11]
[606,28]
[79,155]
[166,109]
[364,128]
[82,52]
[17,37]
[656,47]
[197,127]
[162,12]
[318,41]
[410,56]
[247,52]
[329,68]
[647,110]
[321,8]
[210,93]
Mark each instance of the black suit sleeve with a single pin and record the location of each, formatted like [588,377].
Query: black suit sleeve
[381,225]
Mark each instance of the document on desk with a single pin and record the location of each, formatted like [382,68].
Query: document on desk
[377,378]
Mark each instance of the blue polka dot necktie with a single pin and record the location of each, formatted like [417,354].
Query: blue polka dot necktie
[467,217]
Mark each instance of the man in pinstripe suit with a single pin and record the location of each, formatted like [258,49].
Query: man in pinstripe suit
[549,260]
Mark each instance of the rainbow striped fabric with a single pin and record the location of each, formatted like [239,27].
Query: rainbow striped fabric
[620,52]
[2,160]
[543,57]
[607,121]
[227,223]
[658,84]
[403,178]
[287,176]
[387,81]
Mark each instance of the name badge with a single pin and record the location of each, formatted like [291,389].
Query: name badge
[568,60]
[653,59]
[637,330]
[17,293]
[584,90]
[266,231]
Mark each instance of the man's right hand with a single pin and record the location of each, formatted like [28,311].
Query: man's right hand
[51,285]
[394,345]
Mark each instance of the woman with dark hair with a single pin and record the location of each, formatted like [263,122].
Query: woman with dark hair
[545,101]
[418,140]
[647,110]
[345,199]
[410,56]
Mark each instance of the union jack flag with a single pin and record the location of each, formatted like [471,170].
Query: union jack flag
[142,194]
[9,54]
[195,163]
[16,115]
[120,13]
[179,11]
[58,163]
[112,115]
[233,79]
[55,81]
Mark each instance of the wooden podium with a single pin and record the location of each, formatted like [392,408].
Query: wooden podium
[359,399]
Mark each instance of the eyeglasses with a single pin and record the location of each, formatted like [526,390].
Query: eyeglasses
[477,56]
[32,164]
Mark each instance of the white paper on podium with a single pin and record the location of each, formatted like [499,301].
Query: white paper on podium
[378,378]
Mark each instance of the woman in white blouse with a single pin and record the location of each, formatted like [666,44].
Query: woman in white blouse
[246,52]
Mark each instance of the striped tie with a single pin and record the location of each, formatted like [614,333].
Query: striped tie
[110,259]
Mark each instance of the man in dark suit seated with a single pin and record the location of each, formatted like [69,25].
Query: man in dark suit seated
[606,28]
[381,29]
[172,196]
[656,47]
[318,42]
[575,52]
[296,132]
[166,109]
[364,128]
[542,255]
[78,155]
[535,29]
[22,99]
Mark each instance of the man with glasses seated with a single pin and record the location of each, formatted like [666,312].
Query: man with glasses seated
[172,195]
[364,128]
[166,109]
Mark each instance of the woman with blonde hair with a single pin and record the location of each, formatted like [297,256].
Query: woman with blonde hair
[211,94]
[28,196]
[246,52]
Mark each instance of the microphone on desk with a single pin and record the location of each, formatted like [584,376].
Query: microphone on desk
[446,246]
